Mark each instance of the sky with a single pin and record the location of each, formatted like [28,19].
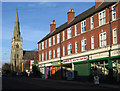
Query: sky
[35,19]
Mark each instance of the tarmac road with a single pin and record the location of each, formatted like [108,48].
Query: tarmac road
[24,83]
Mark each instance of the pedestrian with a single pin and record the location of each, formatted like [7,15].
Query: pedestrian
[28,73]
[96,77]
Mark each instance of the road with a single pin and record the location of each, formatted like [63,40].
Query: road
[24,83]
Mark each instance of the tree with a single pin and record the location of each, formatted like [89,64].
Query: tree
[6,67]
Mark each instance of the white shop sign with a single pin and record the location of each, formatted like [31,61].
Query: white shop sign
[48,64]
[75,60]
[115,53]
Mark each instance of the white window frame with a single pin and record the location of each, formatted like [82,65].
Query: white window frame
[49,42]
[42,56]
[76,30]
[43,45]
[83,45]
[39,46]
[115,36]
[69,48]
[63,35]
[83,26]
[53,40]
[63,50]
[92,42]
[46,44]
[114,12]
[58,52]
[39,57]
[58,38]
[92,22]
[69,33]
[102,39]
[76,44]
[50,54]
[102,18]
[53,53]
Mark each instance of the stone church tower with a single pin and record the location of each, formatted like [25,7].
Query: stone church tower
[16,48]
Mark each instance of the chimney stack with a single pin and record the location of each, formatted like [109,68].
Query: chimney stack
[71,15]
[52,26]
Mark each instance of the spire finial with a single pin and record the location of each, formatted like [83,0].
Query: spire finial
[17,15]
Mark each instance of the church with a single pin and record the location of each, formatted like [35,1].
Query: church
[21,60]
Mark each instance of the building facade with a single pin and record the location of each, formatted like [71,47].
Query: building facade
[83,45]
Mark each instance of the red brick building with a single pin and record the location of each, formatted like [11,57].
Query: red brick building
[88,40]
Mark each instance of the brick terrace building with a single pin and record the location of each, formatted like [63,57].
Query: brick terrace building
[85,42]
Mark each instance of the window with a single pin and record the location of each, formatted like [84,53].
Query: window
[17,46]
[39,46]
[69,49]
[83,26]
[63,50]
[102,39]
[69,33]
[58,38]
[49,54]
[46,44]
[63,35]
[58,52]
[75,47]
[83,42]
[46,55]
[39,57]
[76,30]
[102,18]
[53,53]
[49,42]
[114,36]
[17,56]
[53,40]
[92,22]
[92,42]
[43,45]
[114,12]
[42,56]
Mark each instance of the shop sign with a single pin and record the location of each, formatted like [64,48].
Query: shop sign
[56,63]
[115,53]
[48,64]
[75,60]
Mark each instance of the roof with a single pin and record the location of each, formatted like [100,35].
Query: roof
[30,55]
[79,18]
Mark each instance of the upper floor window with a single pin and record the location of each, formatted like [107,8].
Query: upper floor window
[83,45]
[92,22]
[69,33]
[49,42]
[42,56]
[63,35]
[75,47]
[53,40]
[53,53]
[63,50]
[46,55]
[114,12]
[46,44]
[58,52]
[76,30]
[49,54]
[102,39]
[102,18]
[83,26]
[39,57]
[69,48]
[114,36]
[39,46]
[92,42]
[58,38]
[43,45]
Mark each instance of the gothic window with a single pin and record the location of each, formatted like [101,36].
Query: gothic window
[17,55]
[17,46]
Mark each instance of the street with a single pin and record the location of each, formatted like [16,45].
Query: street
[24,83]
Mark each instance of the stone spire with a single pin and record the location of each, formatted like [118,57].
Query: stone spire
[16,28]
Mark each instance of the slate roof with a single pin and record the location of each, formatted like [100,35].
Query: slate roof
[79,18]
[30,55]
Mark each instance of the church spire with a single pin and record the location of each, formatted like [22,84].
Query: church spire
[16,28]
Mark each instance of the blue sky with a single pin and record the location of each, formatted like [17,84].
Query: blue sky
[35,19]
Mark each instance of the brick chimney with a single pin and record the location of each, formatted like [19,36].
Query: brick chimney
[71,15]
[52,26]
[98,3]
